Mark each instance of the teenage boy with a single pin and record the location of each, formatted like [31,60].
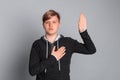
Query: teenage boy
[51,54]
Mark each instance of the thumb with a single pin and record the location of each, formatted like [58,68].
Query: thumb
[53,49]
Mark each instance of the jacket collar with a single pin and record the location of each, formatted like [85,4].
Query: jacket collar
[57,38]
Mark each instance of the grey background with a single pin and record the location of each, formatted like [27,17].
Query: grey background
[20,25]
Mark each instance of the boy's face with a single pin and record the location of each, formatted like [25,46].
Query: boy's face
[51,25]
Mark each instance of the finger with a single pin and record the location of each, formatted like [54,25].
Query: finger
[61,48]
[82,16]
[62,55]
[61,51]
[83,19]
[53,49]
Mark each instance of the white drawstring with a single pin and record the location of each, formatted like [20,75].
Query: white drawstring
[46,52]
[59,65]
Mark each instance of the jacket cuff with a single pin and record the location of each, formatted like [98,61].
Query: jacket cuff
[85,34]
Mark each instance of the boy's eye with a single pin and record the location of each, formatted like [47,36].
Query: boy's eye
[54,21]
[46,22]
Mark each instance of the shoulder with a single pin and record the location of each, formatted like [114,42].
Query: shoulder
[67,39]
[38,42]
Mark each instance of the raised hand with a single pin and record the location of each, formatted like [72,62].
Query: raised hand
[59,53]
[82,24]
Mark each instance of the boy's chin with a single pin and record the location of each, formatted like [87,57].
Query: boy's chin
[51,33]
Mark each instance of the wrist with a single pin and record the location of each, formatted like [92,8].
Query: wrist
[81,31]
[55,56]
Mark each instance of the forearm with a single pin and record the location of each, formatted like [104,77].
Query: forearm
[88,43]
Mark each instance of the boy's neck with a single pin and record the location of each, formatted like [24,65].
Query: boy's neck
[51,38]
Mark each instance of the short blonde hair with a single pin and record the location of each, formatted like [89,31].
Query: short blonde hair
[49,14]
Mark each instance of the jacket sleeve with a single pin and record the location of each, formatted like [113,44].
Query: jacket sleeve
[37,66]
[87,47]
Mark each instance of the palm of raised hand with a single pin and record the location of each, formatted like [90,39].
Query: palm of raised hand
[82,24]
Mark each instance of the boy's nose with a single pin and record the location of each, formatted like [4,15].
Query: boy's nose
[51,25]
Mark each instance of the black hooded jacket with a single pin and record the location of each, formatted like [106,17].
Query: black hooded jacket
[46,67]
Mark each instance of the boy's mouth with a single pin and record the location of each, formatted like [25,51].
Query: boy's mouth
[51,29]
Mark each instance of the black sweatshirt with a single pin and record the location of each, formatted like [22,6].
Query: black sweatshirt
[46,67]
